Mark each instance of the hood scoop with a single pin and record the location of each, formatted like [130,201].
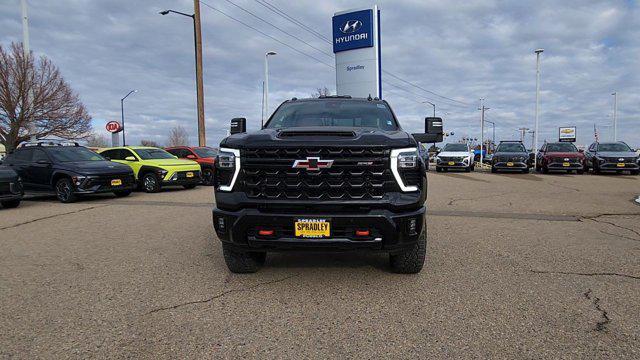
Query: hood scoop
[315,133]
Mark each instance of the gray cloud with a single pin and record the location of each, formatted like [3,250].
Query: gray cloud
[465,50]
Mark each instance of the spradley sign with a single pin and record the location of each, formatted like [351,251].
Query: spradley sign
[356,44]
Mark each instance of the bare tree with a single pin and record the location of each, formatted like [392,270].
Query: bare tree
[145,142]
[178,136]
[98,141]
[323,91]
[34,95]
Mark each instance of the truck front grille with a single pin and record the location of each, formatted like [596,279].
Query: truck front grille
[356,174]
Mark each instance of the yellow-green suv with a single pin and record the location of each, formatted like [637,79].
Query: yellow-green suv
[154,167]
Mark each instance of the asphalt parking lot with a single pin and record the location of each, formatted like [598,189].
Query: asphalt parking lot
[518,266]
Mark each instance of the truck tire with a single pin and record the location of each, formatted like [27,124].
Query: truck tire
[243,262]
[412,260]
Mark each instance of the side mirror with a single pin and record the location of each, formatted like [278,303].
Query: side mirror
[238,125]
[191,156]
[433,131]
[130,158]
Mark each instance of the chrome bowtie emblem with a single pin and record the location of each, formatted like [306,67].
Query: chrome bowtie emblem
[312,163]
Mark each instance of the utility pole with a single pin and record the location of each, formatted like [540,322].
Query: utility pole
[27,53]
[535,135]
[202,138]
[615,116]
[523,130]
[482,110]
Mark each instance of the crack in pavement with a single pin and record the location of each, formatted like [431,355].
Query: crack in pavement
[217,296]
[601,326]
[477,198]
[51,216]
[586,274]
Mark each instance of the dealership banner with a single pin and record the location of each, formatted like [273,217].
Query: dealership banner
[356,44]
[567,134]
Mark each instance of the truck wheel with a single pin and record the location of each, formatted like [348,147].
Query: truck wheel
[412,260]
[10,204]
[122,193]
[150,183]
[243,262]
[64,191]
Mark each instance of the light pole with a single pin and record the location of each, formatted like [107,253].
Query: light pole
[615,116]
[494,131]
[124,139]
[482,110]
[535,134]
[197,40]
[432,104]
[266,84]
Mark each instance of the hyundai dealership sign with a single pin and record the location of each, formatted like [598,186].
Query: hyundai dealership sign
[356,44]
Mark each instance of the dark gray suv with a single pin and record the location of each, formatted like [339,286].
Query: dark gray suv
[612,156]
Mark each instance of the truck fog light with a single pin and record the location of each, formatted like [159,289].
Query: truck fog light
[412,226]
[265,232]
[363,233]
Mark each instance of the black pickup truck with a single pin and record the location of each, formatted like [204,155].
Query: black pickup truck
[325,174]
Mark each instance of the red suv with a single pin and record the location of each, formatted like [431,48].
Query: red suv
[205,156]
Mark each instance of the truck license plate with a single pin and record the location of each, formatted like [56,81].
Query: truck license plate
[116,182]
[620,164]
[566,164]
[189,174]
[312,228]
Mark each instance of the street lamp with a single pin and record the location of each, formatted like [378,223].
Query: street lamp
[432,104]
[266,84]
[535,134]
[197,40]
[124,139]
[494,131]
[615,115]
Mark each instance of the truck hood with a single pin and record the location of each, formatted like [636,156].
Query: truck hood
[454,153]
[319,136]
[617,153]
[7,174]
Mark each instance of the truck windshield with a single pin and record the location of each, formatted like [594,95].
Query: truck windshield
[614,147]
[348,113]
[562,147]
[455,147]
[511,147]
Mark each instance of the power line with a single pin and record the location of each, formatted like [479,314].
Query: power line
[278,28]
[282,13]
[267,35]
[275,9]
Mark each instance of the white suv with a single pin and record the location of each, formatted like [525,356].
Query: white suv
[455,156]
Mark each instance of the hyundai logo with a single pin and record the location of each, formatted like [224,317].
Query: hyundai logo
[621,159]
[351,26]
[312,163]
[566,159]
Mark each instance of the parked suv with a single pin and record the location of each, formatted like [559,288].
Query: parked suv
[11,190]
[455,156]
[612,156]
[510,155]
[68,170]
[563,156]
[205,156]
[332,173]
[155,168]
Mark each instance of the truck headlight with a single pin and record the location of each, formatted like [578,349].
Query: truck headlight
[228,161]
[403,159]
[408,160]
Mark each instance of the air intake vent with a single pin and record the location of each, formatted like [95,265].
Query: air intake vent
[341,134]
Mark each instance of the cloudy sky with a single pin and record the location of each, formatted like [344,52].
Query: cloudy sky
[461,50]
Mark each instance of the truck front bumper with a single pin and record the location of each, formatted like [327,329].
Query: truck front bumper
[387,231]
